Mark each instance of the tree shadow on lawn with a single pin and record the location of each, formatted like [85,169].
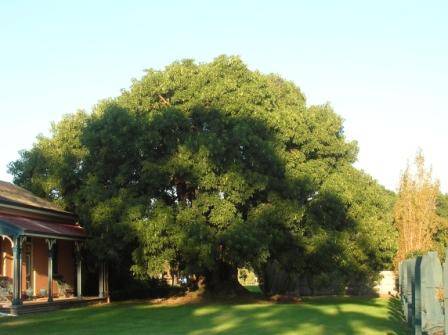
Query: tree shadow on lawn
[396,315]
[313,317]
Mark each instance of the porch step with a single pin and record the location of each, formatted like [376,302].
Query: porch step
[5,310]
[38,307]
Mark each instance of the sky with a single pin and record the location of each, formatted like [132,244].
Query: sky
[382,65]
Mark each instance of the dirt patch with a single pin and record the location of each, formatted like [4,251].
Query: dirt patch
[201,296]
[188,298]
[286,298]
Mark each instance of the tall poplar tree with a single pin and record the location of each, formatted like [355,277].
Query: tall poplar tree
[415,209]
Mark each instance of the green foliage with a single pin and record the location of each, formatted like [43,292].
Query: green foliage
[440,236]
[442,206]
[350,234]
[147,289]
[346,238]
[206,168]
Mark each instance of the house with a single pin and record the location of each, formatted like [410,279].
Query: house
[40,258]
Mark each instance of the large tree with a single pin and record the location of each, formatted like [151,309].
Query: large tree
[201,168]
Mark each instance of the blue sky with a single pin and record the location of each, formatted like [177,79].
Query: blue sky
[383,65]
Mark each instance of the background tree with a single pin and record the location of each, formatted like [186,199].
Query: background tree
[415,209]
[440,235]
[347,238]
[204,169]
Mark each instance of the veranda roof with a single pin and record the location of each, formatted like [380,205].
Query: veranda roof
[23,213]
[17,225]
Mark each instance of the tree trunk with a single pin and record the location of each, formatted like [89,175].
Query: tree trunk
[224,280]
[275,280]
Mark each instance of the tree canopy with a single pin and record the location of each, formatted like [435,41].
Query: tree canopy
[205,168]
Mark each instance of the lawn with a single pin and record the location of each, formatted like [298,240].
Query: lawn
[312,317]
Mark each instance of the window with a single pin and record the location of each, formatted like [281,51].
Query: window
[2,259]
[28,263]
[55,258]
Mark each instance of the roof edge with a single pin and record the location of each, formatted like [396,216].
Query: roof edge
[38,210]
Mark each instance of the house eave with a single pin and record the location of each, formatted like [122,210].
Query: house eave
[9,206]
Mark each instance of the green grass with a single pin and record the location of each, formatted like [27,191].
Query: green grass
[312,317]
[253,289]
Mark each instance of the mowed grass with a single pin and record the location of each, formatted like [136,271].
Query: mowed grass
[342,315]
